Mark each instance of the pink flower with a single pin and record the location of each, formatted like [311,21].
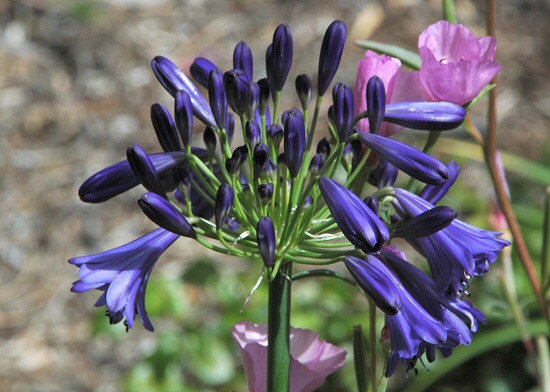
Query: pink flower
[400,86]
[456,65]
[312,359]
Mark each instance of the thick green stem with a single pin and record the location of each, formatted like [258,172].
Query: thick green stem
[278,332]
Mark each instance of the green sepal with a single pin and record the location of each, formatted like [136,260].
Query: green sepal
[480,96]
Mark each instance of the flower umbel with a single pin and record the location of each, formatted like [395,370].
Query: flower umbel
[279,201]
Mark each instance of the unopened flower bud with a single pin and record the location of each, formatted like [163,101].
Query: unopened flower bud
[266,240]
[144,169]
[200,70]
[237,89]
[317,163]
[165,128]
[279,57]
[260,157]
[342,115]
[303,88]
[295,140]
[165,214]
[376,103]
[217,98]
[253,133]
[265,191]
[243,59]
[224,202]
[331,54]
[184,117]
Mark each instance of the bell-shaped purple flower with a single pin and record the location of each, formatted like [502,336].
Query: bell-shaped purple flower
[376,103]
[331,54]
[243,59]
[455,253]
[144,169]
[415,163]
[165,214]
[184,116]
[165,128]
[295,140]
[237,89]
[279,57]
[217,98]
[200,70]
[434,193]
[425,115]
[174,79]
[342,116]
[303,88]
[361,226]
[267,240]
[122,274]
[224,203]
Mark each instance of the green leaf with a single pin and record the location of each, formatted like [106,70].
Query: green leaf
[409,58]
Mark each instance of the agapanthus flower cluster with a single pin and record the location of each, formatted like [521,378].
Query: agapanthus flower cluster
[277,194]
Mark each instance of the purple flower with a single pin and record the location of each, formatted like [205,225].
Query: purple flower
[224,203]
[119,178]
[200,70]
[429,116]
[165,128]
[184,116]
[456,65]
[303,88]
[312,359]
[331,54]
[294,140]
[217,98]
[279,57]
[415,163]
[434,193]
[376,103]
[144,169]
[173,79]
[237,88]
[361,226]
[122,274]
[267,240]
[165,214]
[455,253]
[242,59]
[342,116]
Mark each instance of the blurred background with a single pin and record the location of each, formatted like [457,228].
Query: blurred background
[75,92]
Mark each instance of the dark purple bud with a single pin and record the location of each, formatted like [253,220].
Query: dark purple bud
[200,70]
[317,163]
[233,164]
[209,137]
[295,140]
[352,154]
[173,79]
[184,117]
[165,214]
[265,191]
[242,59]
[303,88]
[384,174]
[217,98]
[342,116]
[323,147]
[331,54]
[270,169]
[119,178]
[253,133]
[279,57]
[361,226]
[260,157]
[264,94]
[275,133]
[144,169]
[253,100]
[427,223]
[266,241]
[429,116]
[415,163]
[372,276]
[224,203]
[230,127]
[165,128]
[434,193]
[237,89]
[376,103]
[372,202]
[308,202]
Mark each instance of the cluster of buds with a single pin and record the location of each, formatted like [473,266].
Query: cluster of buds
[278,196]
